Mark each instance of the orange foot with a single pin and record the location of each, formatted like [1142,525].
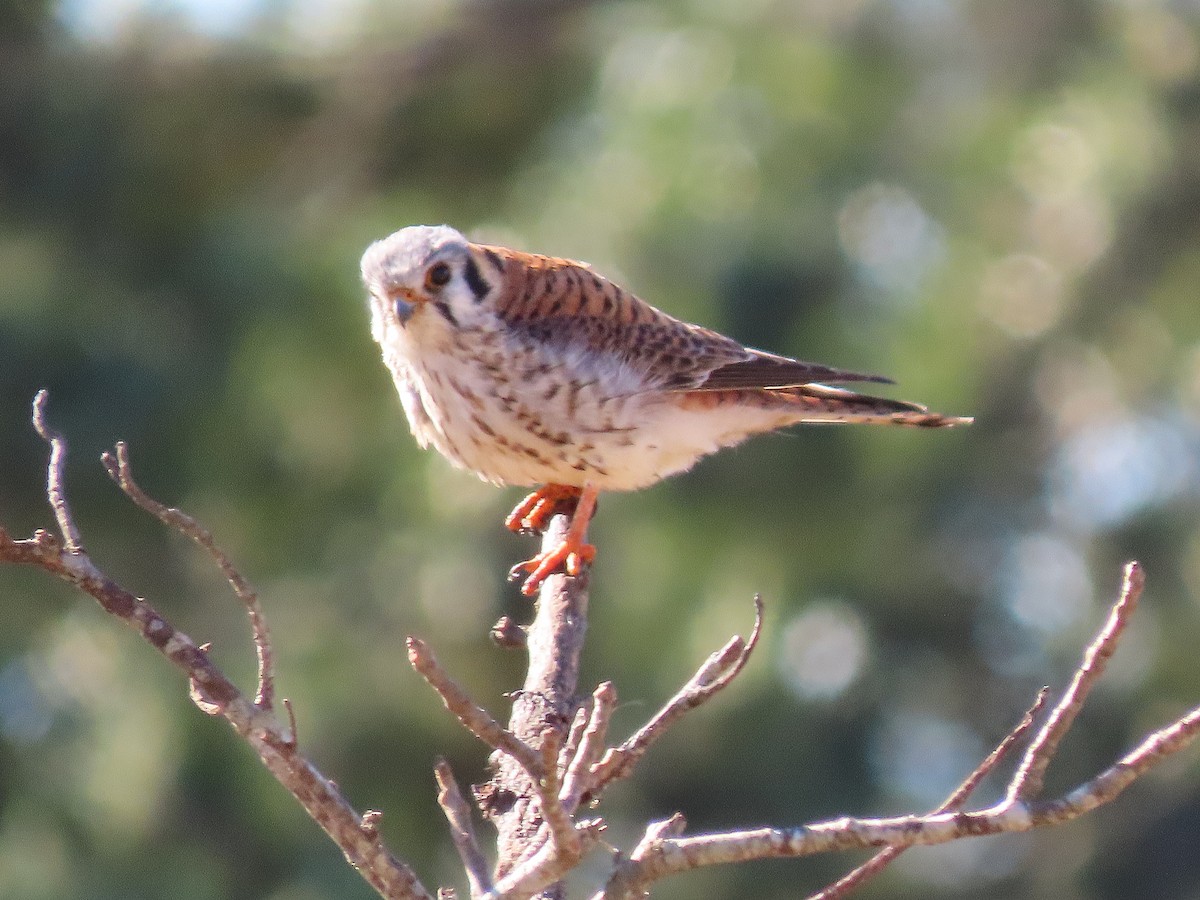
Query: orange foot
[572,553]
[535,511]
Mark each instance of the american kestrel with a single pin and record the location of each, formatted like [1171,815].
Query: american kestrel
[533,370]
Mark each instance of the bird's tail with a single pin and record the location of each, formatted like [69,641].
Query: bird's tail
[820,404]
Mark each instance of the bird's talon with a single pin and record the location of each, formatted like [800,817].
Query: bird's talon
[533,514]
[579,558]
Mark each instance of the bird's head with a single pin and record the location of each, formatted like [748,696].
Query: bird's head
[423,272]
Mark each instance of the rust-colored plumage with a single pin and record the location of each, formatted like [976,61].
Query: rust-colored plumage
[535,370]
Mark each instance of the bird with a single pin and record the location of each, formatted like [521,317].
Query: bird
[538,371]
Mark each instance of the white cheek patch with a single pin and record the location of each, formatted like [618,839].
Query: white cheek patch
[378,326]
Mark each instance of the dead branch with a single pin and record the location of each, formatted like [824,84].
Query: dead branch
[55,480]
[121,472]
[473,717]
[590,745]
[1032,771]
[547,703]
[881,860]
[63,555]
[717,673]
[660,855]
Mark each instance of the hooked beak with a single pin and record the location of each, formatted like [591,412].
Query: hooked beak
[403,303]
[404,310]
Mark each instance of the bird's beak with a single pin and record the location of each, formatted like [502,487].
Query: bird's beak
[403,303]
[404,309]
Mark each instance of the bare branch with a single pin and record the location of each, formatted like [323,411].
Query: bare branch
[119,470]
[718,672]
[474,717]
[273,742]
[881,860]
[570,747]
[293,734]
[551,758]
[458,814]
[659,857]
[1032,772]
[670,856]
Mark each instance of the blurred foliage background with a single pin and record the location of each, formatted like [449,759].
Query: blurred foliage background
[996,204]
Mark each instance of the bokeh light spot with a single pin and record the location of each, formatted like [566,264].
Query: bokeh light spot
[823,650]
[1023,294]
[884,230]
[921,757]
[1045,584]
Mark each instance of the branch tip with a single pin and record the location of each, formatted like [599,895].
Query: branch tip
[1031,774]
[56,493]
[473,717]
[714,675]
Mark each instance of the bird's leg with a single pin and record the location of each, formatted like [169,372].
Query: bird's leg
[572,553]
[533,513]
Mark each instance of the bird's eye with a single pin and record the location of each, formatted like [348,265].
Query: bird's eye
[438,275]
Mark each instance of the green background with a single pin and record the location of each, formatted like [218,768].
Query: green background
[997,204]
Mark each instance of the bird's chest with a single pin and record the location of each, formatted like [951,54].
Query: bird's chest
[516,414]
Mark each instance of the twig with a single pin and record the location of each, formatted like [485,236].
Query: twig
[1032,771]
[558,819]
[56,483]
[474,717]
[881,860]
[591,745]
[715,674]
[120,471]
[458,814]
[570,747]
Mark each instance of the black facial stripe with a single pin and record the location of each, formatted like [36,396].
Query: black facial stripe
[494,259]
[475,281]
[444,308]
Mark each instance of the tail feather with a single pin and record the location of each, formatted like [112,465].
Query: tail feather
[818,404]
[822,404]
